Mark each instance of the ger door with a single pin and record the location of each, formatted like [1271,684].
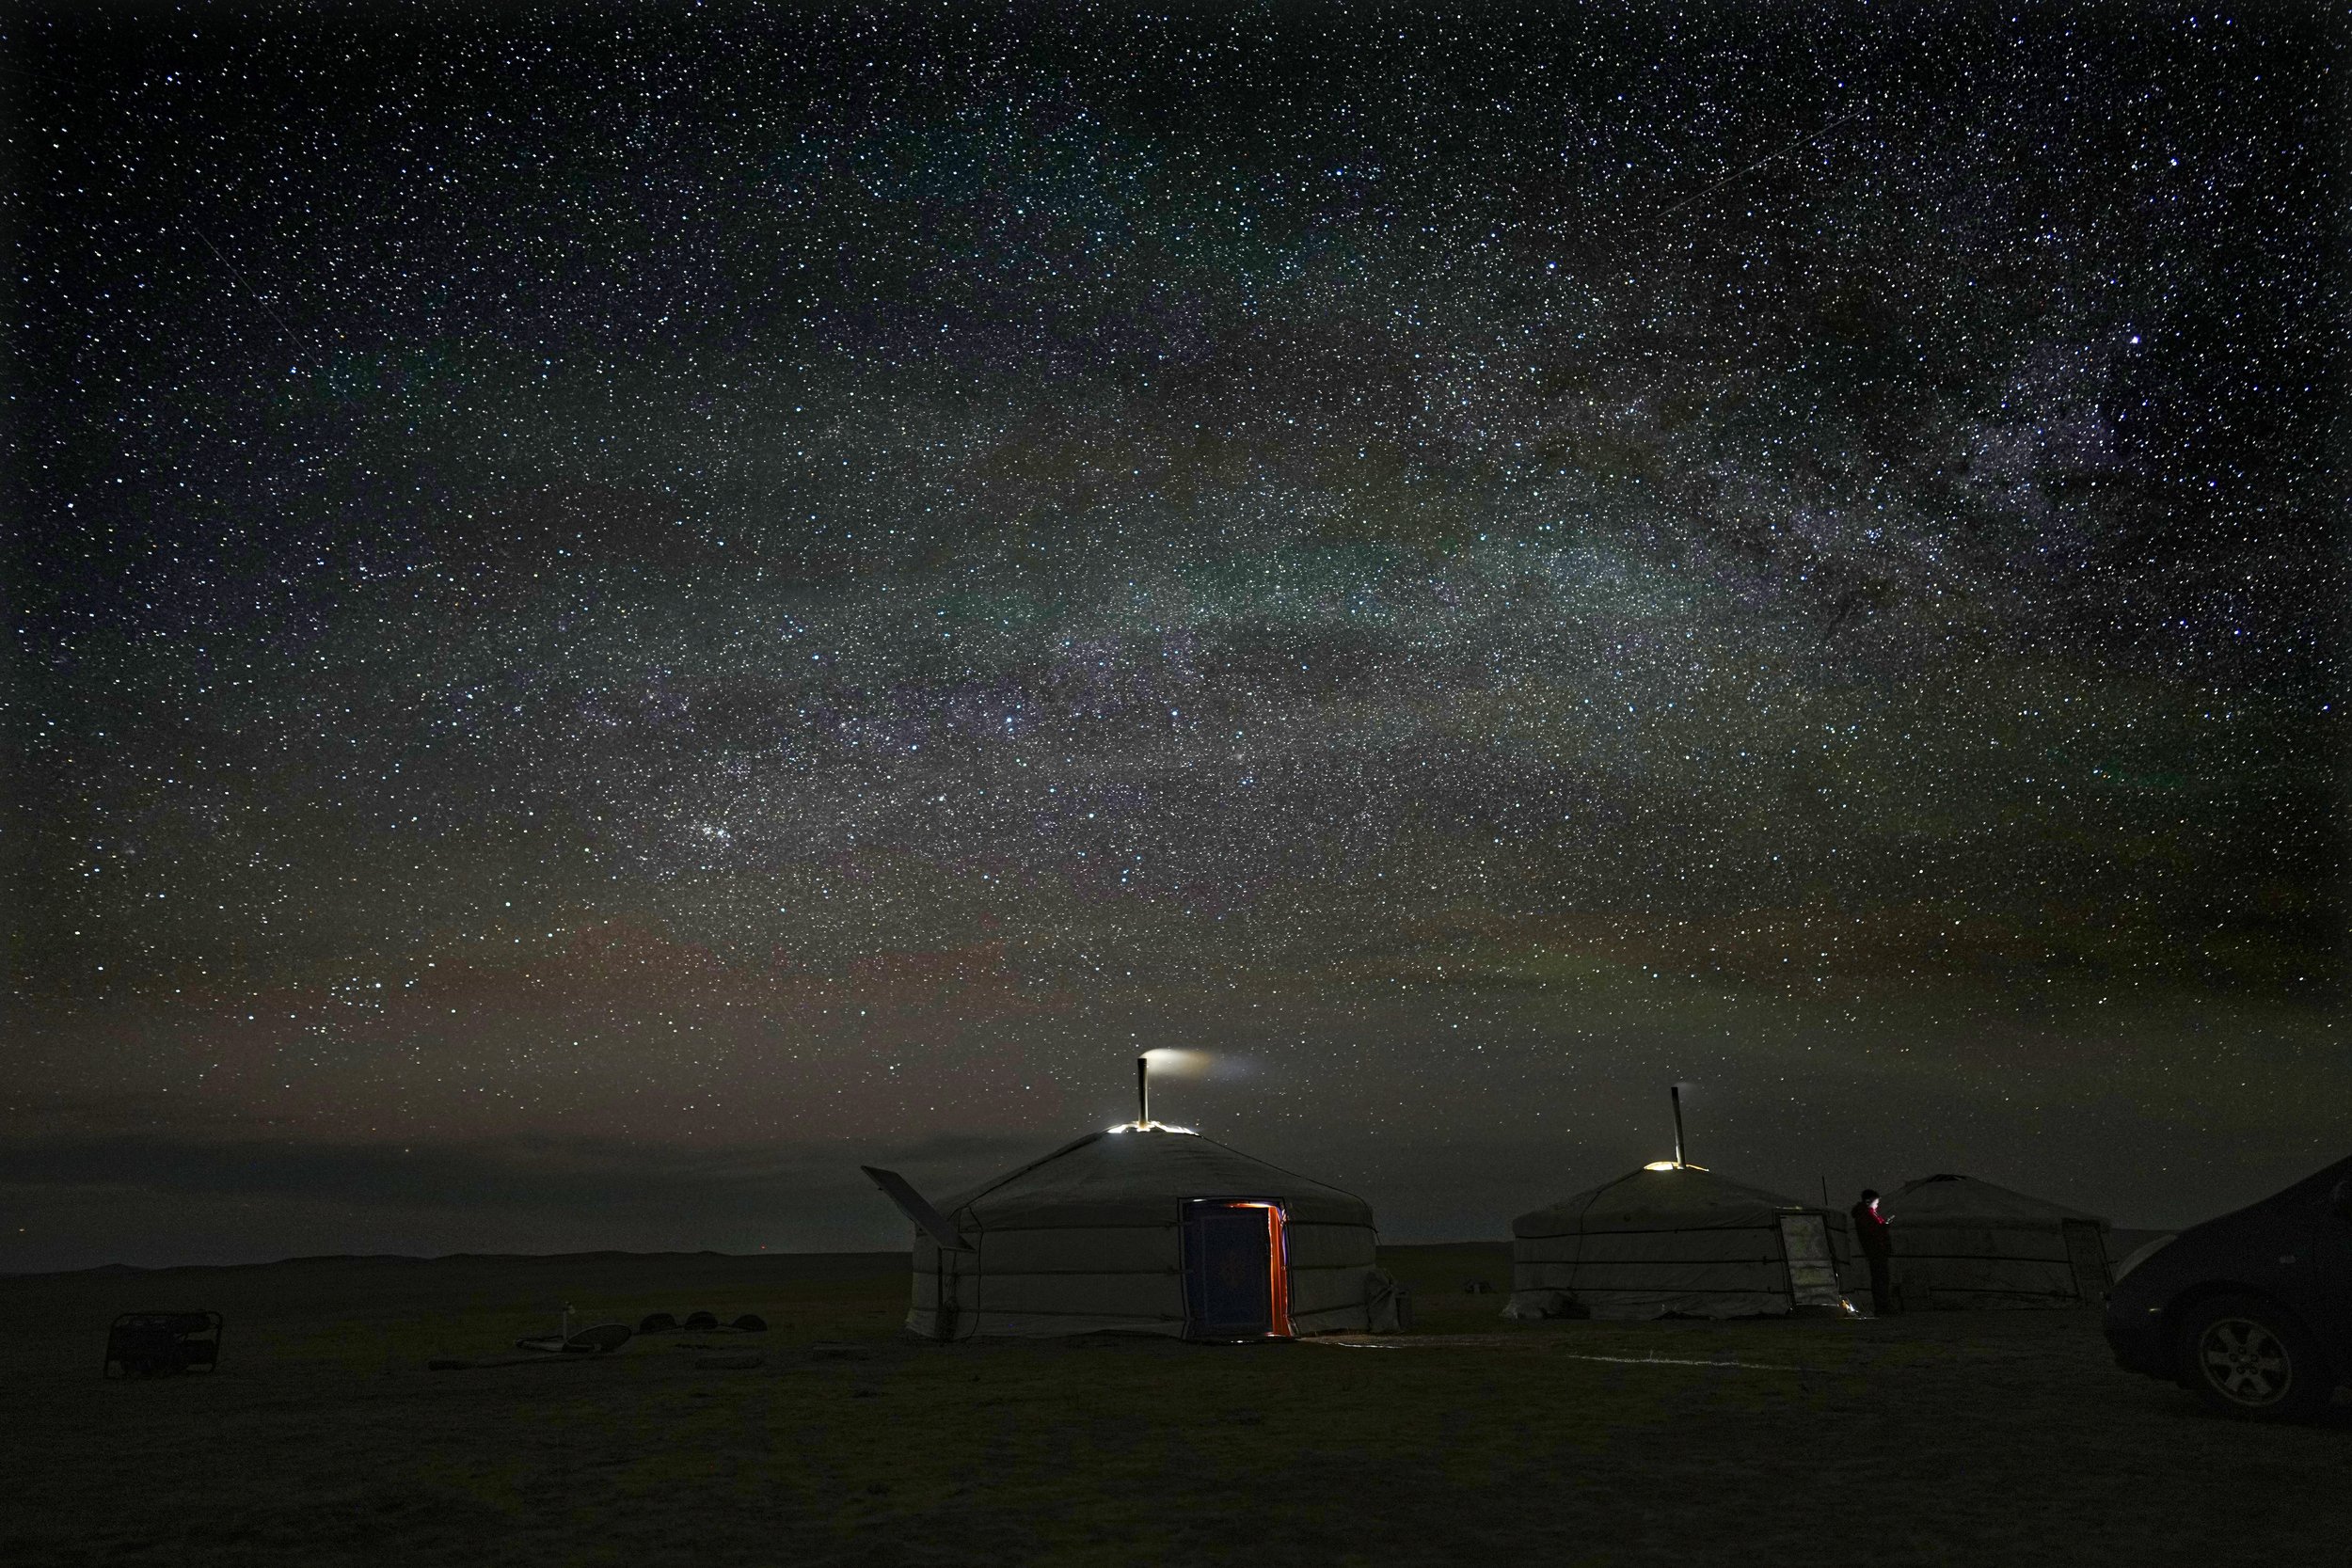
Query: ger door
[2086,1255]
[1235,1283]
[1812,1265]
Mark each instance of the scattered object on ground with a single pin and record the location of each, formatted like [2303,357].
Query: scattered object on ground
[729,1363]
[702,1323]
[836,1350]
[596,1340]
[705,1322]
[1478,1288]
[159,1344]
[1961,1242]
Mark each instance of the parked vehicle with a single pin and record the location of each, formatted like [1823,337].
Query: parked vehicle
[2253,1312]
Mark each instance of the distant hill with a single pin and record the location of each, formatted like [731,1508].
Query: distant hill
[103,1271]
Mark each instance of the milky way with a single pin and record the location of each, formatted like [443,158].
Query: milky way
[612,615]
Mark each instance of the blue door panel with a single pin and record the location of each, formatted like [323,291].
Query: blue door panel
[1229,1275]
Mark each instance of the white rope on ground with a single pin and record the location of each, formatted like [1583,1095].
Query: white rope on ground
[1677,1361]
[1483,1342]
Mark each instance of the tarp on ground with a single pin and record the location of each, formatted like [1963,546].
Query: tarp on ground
[1678,1241]
[1089,1239]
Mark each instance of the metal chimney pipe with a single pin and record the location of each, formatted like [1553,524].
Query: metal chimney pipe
[1675,1090]
[1143,1090]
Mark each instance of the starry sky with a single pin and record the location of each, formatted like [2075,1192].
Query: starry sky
[613,611]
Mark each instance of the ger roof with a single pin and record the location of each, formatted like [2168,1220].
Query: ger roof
[1137,1176]
[1678,1198]
[1965,1200]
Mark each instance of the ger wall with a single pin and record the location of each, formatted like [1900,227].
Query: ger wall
[1053,1281]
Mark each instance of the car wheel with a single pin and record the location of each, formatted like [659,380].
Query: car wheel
[2246,1358]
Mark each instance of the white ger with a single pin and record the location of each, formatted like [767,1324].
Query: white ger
[1961,1242]
[1678,1240]
[1145,1228]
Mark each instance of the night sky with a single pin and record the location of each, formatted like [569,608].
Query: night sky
[612,613]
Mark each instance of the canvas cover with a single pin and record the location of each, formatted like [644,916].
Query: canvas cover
[1089,1239]
[1961,1242]
[1682,1242]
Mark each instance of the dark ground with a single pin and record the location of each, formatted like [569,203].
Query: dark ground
[1945,1438]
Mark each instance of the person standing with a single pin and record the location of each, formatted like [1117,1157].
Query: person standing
[1871,1234]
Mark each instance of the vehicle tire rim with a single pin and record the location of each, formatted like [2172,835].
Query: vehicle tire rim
[2243,1361]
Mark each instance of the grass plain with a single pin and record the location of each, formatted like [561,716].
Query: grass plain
[1945,1438]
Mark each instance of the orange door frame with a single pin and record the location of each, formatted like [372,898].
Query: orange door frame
[1278,1264]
